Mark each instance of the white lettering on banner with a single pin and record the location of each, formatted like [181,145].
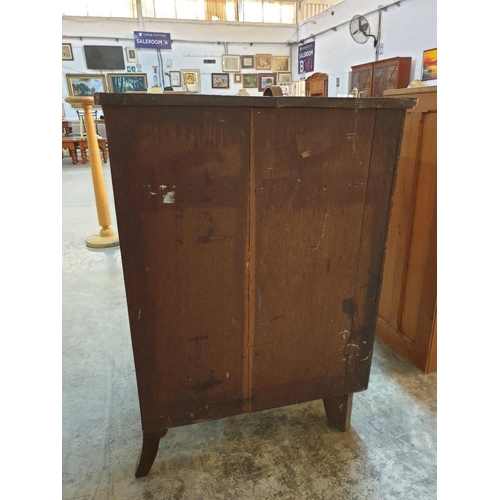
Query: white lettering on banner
[306,54]
[151,42]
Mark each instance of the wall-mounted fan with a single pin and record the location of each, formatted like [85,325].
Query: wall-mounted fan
[360,30]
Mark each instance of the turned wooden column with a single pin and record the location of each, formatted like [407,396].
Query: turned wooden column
[107,237]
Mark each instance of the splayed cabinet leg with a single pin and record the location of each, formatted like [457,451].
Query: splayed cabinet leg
[338,411]
[150,443]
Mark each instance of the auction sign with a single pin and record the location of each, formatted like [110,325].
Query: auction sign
[148,40]
[306,57]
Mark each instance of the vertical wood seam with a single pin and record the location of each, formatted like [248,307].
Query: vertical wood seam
[251,265]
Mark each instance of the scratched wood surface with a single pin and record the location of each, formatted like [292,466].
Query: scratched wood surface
[323,188]
[180,182]
[252,238]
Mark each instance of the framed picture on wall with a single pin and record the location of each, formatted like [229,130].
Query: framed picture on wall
[250,81]
[86,84]
[266,79]
[237,78]
[230,63]
[281,64]
[429,64]
[131,53]
[247,62]
[220,80]
[67,52]
[263,61]
[284,77]
[127,82]
[190,80]
[175,78]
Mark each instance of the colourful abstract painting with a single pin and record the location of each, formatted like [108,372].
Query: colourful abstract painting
[429,64]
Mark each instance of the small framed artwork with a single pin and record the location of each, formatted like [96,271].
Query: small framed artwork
[175,78]
[190,80]
[237,78]
[131,53]
[220,80]
[429,65]
[127,82]
[250,81]
[131,69]
[263,61]
[86,84]
[281,64]
[231,63]
[247,62]
[266,79]
[284,77]
[67,52]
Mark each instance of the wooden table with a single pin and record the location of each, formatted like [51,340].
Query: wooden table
[68,129]
[75,143]
[252,233]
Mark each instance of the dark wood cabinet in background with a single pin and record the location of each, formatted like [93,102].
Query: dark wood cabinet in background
[372,79]
[252,234]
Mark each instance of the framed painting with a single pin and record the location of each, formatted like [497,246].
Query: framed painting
[131,69]
[220,80]
[263,61]
[190,80]
[250,81]
[131,53]
[247,62]
[175,78]
[230,63]
[237,78]
[281,64]
[67,52]
[265,79]
[86,84]
[284,78]
[127,82]
[429,64]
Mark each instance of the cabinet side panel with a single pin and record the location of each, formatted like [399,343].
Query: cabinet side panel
[311,173]
[180,182]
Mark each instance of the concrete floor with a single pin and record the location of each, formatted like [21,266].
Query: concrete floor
[287,453]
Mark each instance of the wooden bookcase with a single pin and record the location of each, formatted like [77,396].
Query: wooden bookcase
[372,79]
[252,234]
[407,310]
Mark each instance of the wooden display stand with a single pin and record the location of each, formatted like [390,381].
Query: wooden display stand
[407,311]
[372,79]
[252,236]
[317,85]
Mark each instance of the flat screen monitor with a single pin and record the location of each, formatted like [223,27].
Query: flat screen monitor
[104,57]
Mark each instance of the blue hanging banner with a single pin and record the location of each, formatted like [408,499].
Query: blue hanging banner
[149,40]
[306,57]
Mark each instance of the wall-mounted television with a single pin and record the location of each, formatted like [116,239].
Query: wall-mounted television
[104,57]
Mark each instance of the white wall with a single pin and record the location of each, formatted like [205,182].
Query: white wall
[189,53]
[406,30]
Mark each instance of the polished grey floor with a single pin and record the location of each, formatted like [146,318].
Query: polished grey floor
[288,453]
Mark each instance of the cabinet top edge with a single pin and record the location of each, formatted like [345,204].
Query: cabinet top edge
[132,99]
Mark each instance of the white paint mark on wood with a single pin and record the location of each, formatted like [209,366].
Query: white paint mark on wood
[344,333]
[306,154]
[139,315]
[169,197]
[163,187]
[227,375]
[353,345]
[323,231]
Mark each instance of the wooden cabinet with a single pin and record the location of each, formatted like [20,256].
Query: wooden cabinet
[317,85]
[407,310]
[252,233]
[372,79]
